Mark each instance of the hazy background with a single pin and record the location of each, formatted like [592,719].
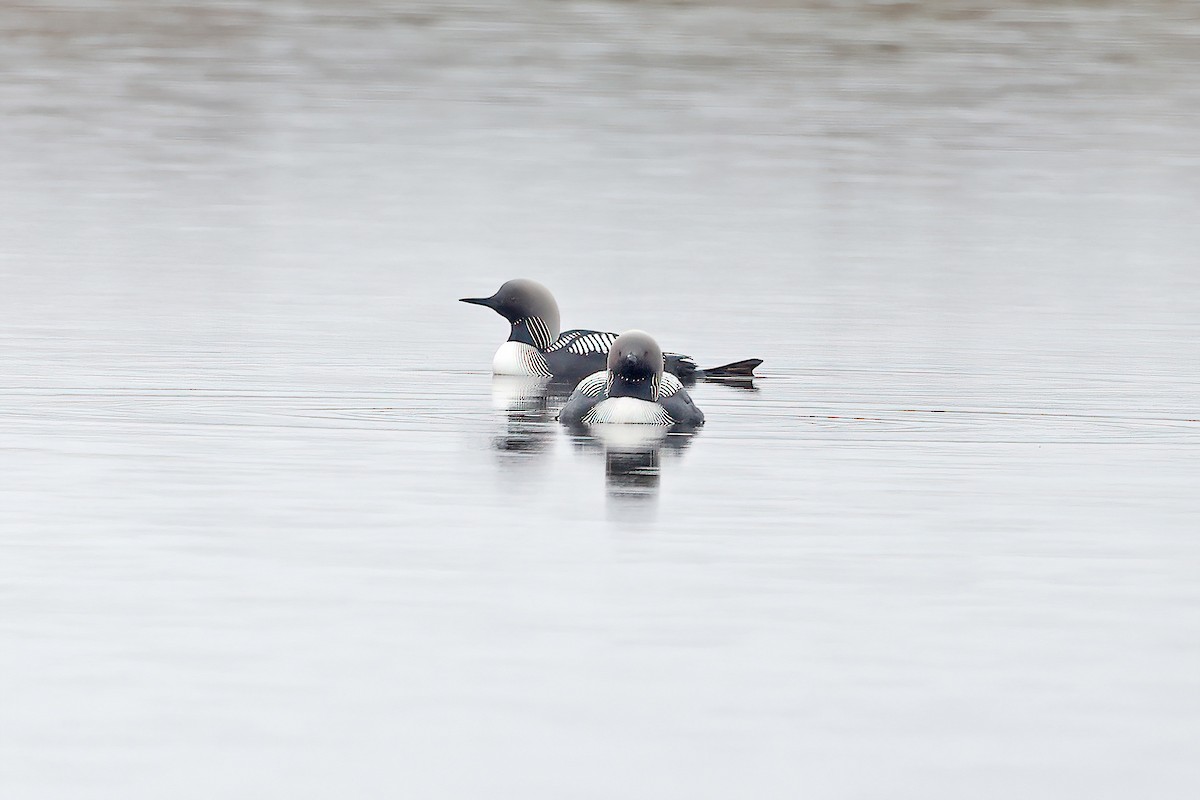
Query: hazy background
[268,528]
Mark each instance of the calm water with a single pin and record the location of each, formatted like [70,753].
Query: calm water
[268,528]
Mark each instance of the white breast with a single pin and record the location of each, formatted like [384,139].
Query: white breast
[628,411]
[517,358]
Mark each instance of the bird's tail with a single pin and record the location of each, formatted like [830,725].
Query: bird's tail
[738,369]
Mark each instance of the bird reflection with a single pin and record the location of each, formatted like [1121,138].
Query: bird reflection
[746,384]
[632,473]
[528,421]
[529,408]
[633,456]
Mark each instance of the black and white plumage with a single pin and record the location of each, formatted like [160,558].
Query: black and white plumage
[633,389]
[536,346]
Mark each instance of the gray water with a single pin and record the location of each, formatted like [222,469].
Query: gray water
[268,528]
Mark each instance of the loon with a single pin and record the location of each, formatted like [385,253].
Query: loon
[633,389]
[535,347]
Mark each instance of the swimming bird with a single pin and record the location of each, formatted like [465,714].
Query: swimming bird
[537,347]
[633,389]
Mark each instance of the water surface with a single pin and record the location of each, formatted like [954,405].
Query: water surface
[268,528]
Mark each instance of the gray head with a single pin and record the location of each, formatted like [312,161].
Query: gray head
[530,308]
[635,366]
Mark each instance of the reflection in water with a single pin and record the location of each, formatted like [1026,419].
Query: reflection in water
[528,420]
[746,384]
[631,459]
[632,456]
[631,473]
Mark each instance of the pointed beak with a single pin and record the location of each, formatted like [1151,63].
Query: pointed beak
[626,365]
[479,301]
